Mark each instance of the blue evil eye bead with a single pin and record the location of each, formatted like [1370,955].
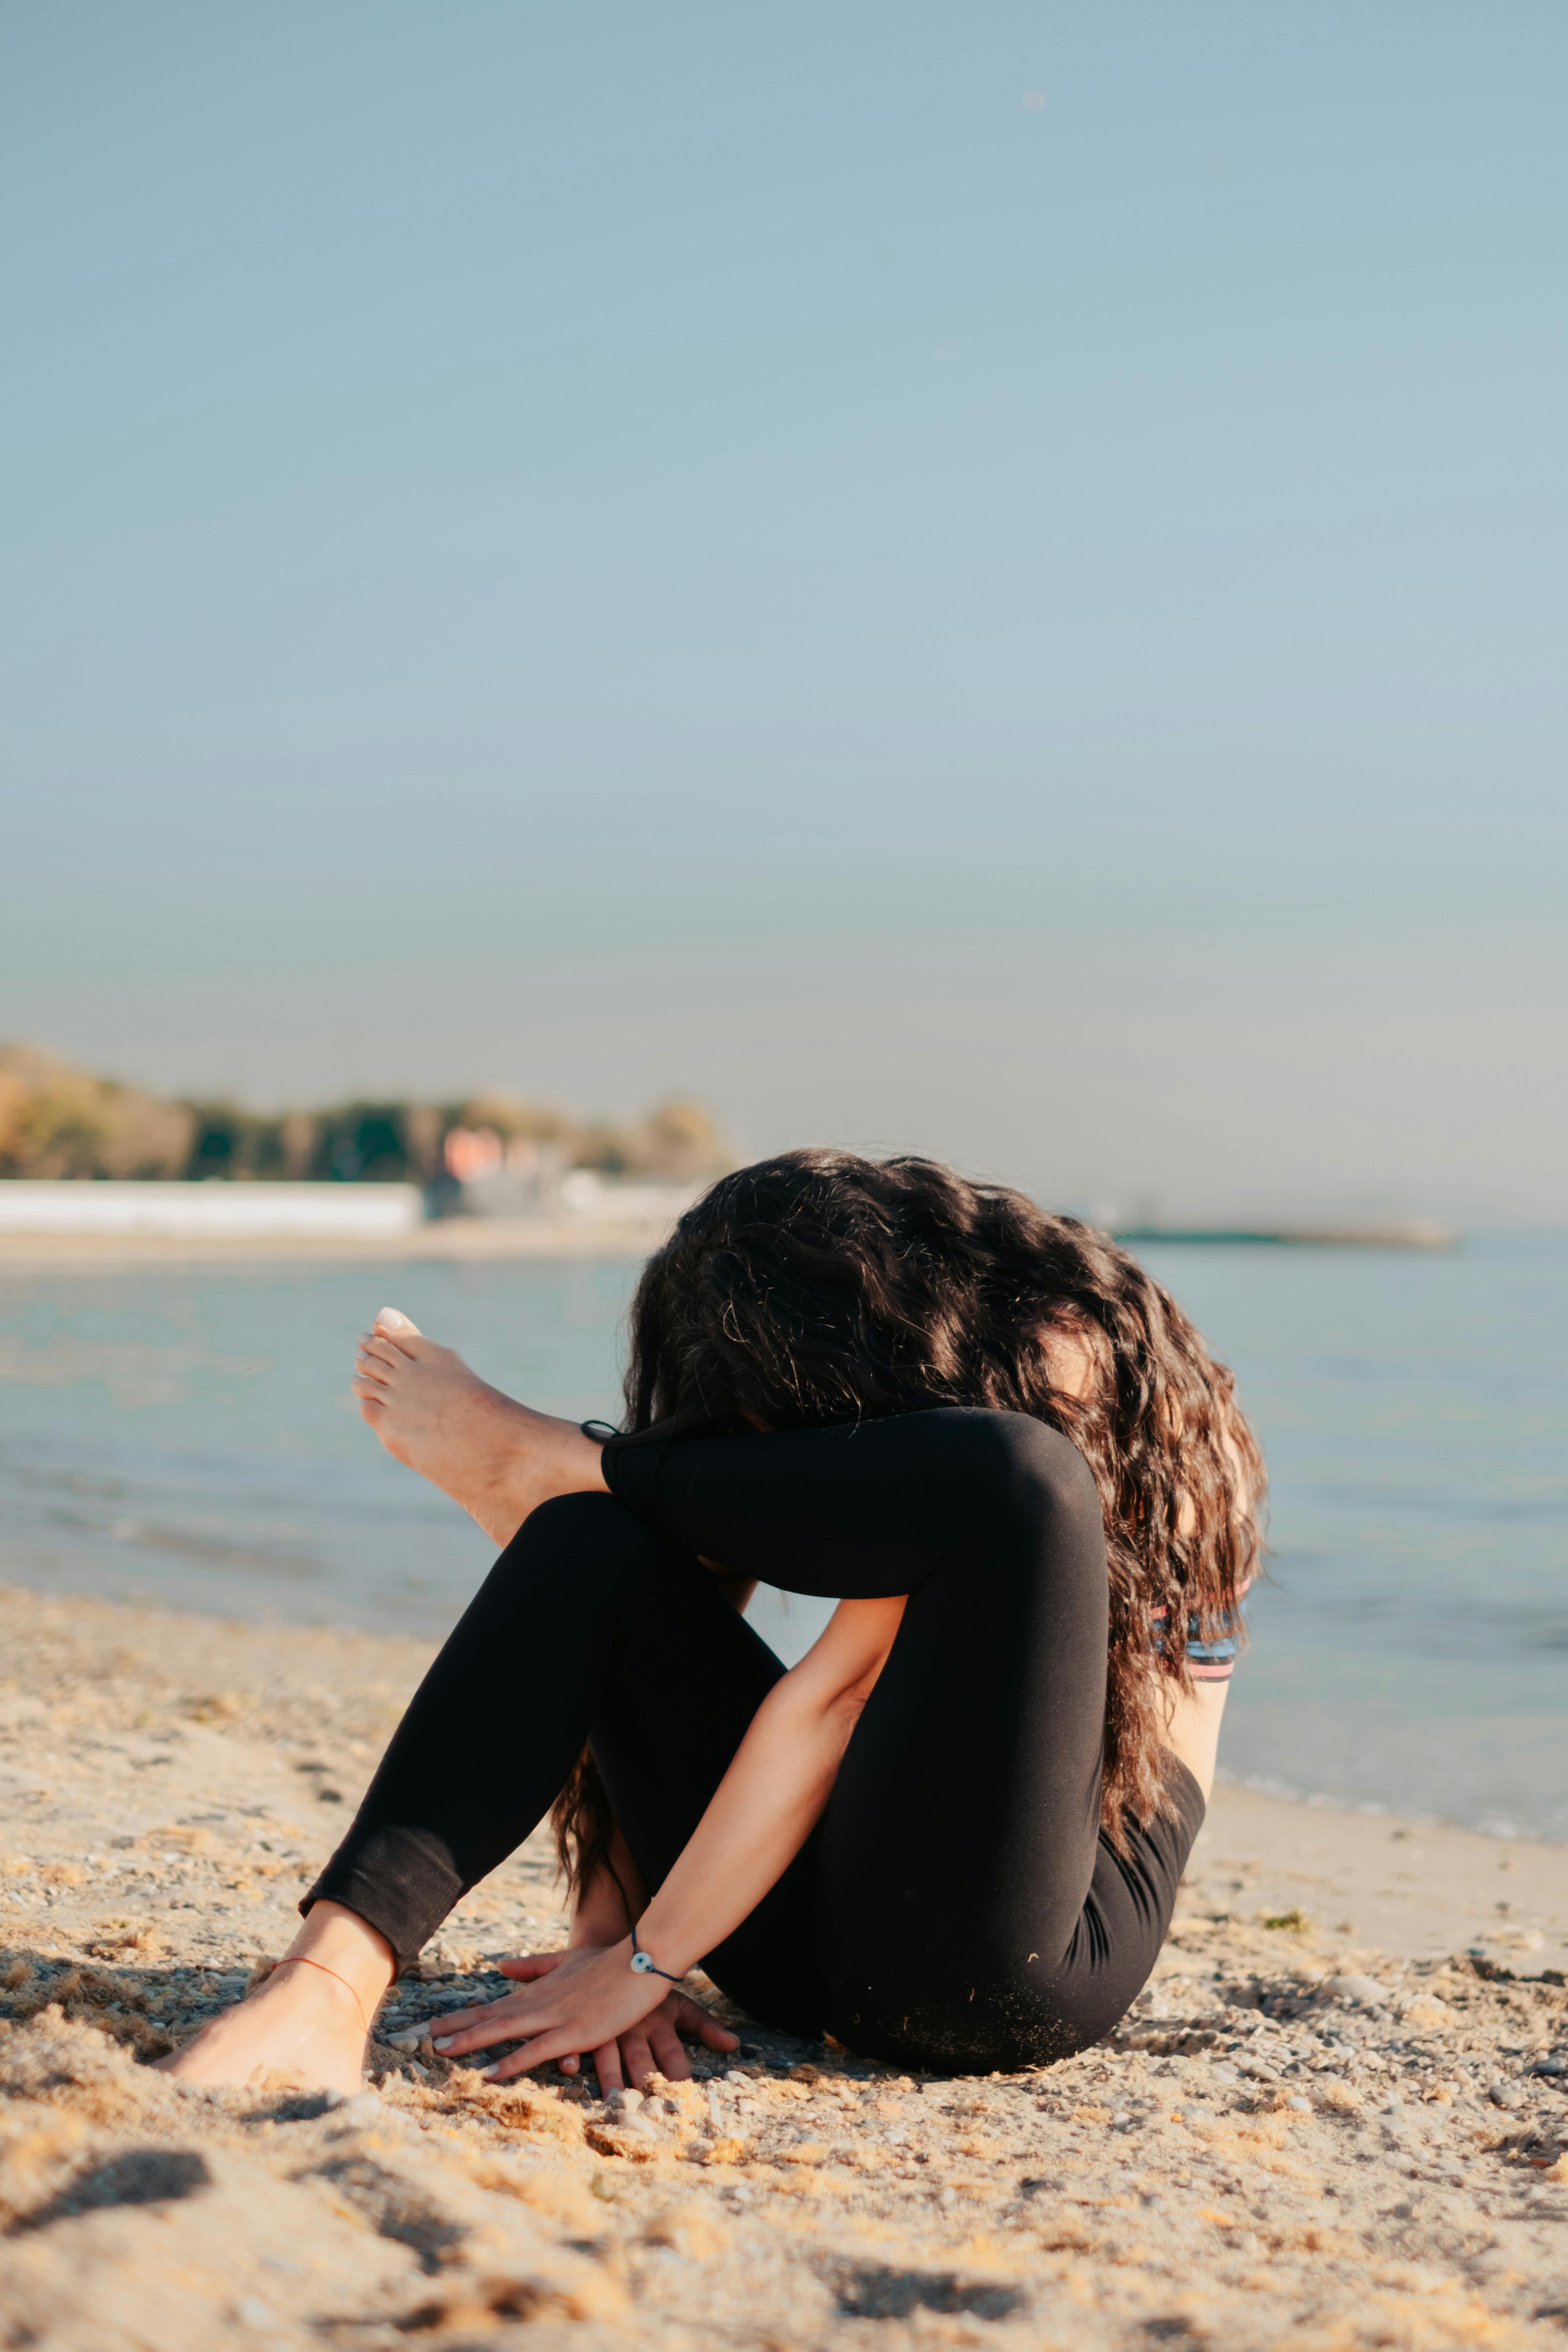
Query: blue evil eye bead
[642,1965]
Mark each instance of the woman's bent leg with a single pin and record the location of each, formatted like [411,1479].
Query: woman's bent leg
[586,1623]
[970,1910]
[967,1911]
[583,1597]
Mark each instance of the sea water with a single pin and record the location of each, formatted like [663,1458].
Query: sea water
[185,1435]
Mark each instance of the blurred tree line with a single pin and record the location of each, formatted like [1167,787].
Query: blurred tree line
[56,1121]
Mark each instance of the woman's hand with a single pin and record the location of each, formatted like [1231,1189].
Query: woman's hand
[654,2047]
[586,1998]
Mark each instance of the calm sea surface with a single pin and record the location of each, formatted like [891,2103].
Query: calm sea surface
[187,1436]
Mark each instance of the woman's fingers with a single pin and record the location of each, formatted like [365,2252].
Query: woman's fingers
[533,2006]
[495,2020]
[580,2004]
[668,2051]
[461,2037]
[608,2066]
[688,2016]
[487,2022]
[550,2004]
[636,2058]
[544,2047]
[653,2047]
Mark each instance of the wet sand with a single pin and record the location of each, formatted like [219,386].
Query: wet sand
[1335,2118]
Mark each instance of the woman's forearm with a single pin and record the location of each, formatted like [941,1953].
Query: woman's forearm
[771,1798]
[762,1814]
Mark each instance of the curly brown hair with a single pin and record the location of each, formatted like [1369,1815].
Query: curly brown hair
[820,1288]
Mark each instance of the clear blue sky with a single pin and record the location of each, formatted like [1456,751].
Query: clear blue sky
[984,578]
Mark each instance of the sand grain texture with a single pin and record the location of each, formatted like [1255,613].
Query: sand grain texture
[1303,2135]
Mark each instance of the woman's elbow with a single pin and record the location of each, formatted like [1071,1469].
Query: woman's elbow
[845,1710]
[811,1718]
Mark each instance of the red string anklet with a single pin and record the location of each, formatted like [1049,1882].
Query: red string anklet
[298,1960]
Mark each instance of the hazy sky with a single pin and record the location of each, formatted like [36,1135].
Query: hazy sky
[983,578]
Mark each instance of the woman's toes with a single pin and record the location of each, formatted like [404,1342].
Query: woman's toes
[392,1324]
[372,1349]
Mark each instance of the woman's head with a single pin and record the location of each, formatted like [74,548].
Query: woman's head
[818,1287]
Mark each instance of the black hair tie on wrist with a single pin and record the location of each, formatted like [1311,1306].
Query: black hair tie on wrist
[600,1429]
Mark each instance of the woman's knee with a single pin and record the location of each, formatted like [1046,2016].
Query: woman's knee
[1024,1469]
[587,1535]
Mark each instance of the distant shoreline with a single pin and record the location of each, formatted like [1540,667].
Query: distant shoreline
[469,1238]
[449,1238]
[476,1239]
[1417,1235]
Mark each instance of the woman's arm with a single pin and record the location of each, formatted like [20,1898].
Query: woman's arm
[769,1800]
[1192,1729]
[756,1822]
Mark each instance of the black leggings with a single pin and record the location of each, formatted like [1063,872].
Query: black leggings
[957,1906]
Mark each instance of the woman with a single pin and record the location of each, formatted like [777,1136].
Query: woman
[951,1836]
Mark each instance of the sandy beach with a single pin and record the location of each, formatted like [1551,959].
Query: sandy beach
[1335,2118]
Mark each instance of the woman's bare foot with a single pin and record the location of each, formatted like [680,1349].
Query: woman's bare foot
[307,2020]
[497,1458]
